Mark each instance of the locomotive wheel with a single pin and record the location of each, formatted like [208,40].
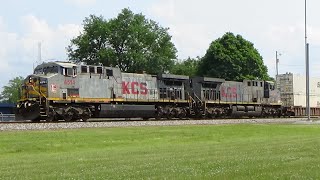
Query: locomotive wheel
[182,114]
[51,115]
[85,118]
[36,120]
[86,115]
[158,117]
[68,116]
[170,115]
[159,113]
[50,118]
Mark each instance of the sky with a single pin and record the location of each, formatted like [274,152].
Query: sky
[271,26]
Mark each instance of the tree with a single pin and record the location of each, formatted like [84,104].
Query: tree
[129,41]
[233,58]
[11,92]
[188,67]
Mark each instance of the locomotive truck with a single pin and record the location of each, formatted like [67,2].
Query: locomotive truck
[70,92]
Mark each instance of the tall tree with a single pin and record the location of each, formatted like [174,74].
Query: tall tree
[11,92]
[233,58]
[188,67]
[129,41]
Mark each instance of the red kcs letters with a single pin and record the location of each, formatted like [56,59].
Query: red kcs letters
[134,88]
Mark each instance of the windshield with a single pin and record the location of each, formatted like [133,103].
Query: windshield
[46,70]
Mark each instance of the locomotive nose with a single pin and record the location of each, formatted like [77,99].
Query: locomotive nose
[33,87]
[33,91]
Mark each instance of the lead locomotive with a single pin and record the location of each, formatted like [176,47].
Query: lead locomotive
[63,90]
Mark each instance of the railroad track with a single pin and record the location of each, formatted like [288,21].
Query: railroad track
[140,120]
[23,126]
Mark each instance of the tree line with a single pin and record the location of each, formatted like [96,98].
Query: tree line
[136,44]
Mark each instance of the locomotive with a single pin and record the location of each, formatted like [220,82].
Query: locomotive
[70,92]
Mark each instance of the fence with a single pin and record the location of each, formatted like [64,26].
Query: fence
[7,117]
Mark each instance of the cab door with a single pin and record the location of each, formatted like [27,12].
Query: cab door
[266,89]
[64,93]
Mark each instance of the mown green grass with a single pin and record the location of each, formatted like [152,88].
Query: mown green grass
[183,152]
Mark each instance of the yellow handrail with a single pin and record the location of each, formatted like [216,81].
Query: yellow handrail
[39,93]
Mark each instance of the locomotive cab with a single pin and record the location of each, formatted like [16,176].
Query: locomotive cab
[268,87]
[35,89]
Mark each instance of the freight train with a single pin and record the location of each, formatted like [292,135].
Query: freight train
[70,92]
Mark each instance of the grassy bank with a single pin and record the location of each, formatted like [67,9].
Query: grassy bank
[188,152]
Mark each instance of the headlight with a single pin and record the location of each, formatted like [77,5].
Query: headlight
[29,104]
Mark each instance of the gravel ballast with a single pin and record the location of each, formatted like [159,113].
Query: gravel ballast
[76,125]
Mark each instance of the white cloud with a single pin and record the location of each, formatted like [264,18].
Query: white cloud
[314,35]
[81,3]
[165,9]
[289,41]
[195,24]
[8,43]
[53,39]
[2,24]
[19,52]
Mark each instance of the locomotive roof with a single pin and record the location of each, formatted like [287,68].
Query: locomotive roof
[209,79]
[173,76]
[59,63]
[66,64]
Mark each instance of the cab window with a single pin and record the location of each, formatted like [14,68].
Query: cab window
[74,71]
[91,69]
[67,71]
[84,69]
[99,70]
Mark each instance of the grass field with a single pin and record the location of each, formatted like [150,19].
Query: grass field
[183,152]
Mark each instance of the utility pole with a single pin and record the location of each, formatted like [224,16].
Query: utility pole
[277,62]
[307,62]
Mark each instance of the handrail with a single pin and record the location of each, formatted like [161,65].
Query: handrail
[39,92]
[197,97]
[192,99]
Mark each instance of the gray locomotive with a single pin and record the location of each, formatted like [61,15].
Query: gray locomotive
[70,92]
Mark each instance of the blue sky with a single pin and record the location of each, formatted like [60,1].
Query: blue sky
[271,25]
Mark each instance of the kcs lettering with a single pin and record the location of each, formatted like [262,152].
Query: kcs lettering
[134,88]
[229,92]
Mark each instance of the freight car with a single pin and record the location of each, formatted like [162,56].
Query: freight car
[63,90]
[293,93]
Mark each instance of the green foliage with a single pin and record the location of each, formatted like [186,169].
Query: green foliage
[233,58]
[181,152]
[129,41]
[11,92]
[188,67]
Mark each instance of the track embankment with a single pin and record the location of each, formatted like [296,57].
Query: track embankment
[137,123]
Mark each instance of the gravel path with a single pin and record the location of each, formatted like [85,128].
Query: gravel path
[76,125]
